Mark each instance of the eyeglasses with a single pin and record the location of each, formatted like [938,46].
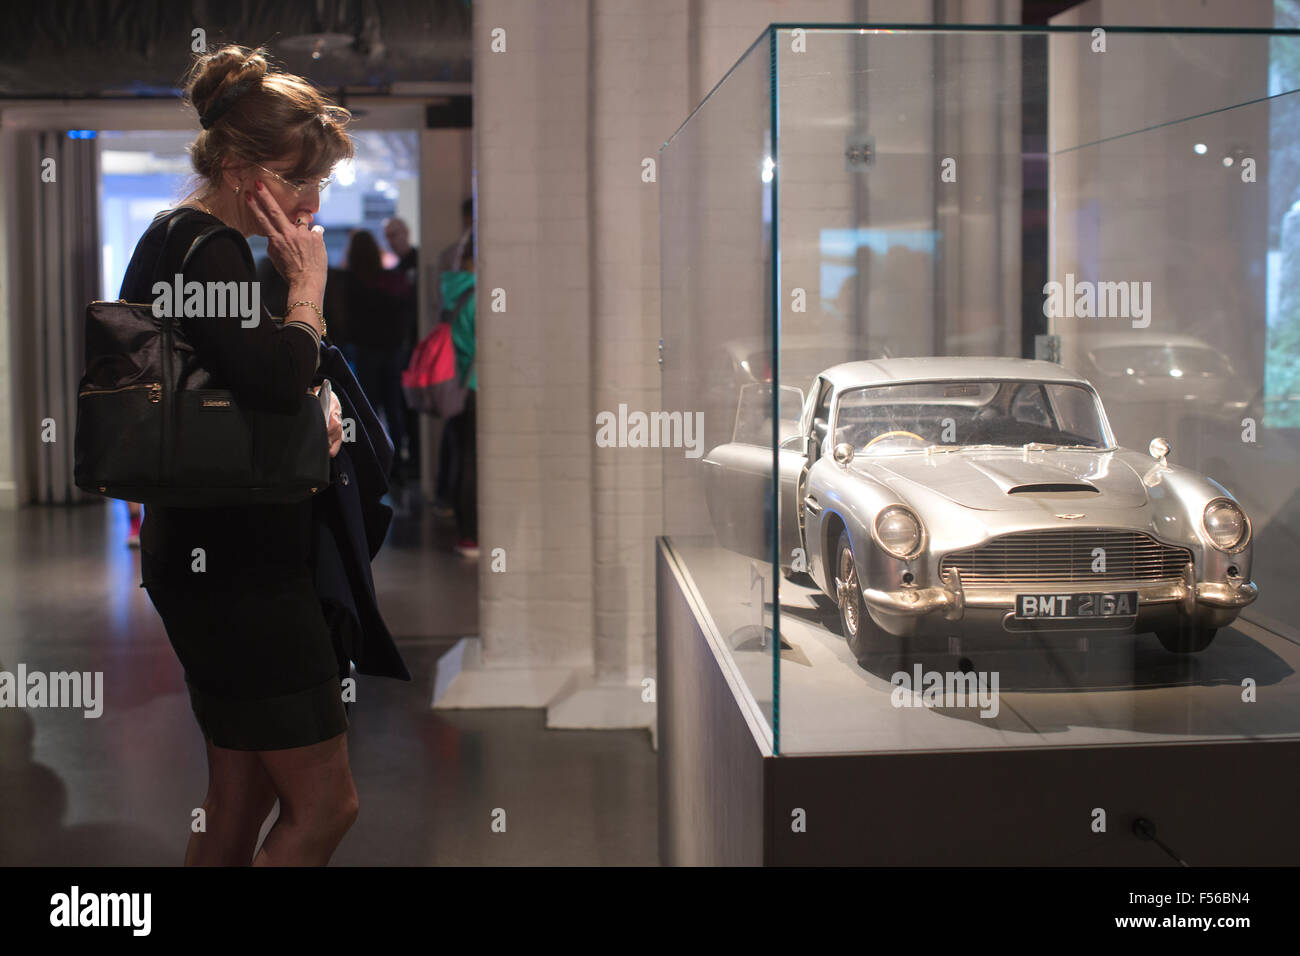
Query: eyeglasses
[298,186]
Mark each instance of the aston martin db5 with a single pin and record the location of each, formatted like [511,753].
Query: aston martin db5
[977,496]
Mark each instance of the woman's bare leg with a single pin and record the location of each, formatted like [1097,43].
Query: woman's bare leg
[318,803]
[239,798]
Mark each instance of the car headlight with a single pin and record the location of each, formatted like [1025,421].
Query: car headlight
[898,531]
[1226,525]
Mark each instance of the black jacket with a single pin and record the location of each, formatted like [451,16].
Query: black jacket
[349,523]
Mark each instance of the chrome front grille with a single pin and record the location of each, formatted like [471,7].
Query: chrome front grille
[1067,557]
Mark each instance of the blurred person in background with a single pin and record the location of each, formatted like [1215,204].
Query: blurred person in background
[457,288]
[398,237]
[448,261]
[375,303]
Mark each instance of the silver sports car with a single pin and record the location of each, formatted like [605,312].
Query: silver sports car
[977,496]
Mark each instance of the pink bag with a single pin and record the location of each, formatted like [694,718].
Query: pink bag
[429,382]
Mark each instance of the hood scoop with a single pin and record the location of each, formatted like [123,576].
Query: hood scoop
[1051,487]
[1001,480]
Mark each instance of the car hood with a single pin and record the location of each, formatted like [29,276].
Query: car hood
[1010,480]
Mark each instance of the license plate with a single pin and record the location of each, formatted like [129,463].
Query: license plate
[1103,604]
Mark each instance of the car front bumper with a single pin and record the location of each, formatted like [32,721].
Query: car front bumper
[908,611]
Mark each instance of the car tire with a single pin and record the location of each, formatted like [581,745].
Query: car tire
[861,632]
[1186,639]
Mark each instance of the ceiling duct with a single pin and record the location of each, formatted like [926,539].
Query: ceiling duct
[129,48]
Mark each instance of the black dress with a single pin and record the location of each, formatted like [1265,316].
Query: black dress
[260,663]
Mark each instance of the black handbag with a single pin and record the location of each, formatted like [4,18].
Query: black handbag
[153,425]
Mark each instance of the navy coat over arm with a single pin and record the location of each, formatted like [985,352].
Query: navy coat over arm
[349,524]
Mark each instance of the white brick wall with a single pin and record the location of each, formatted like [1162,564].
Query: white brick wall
[534,367]
[563,119]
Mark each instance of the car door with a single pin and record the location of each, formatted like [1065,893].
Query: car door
[814,425]
[738,475]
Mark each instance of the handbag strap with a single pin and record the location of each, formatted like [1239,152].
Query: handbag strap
[215,230]
[204,235]
[161,261]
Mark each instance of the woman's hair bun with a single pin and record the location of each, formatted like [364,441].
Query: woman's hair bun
[251,113]
[218,72]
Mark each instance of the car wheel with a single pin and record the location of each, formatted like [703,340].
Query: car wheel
[855,622]
[1186,639]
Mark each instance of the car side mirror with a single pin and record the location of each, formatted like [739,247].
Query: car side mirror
[1159,449]
[843,453]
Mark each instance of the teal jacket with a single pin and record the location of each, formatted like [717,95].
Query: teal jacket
[454,286]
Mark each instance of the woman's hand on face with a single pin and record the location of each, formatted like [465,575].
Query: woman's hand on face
[298,253]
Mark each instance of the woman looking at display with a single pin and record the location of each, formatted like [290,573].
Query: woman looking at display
[247,625]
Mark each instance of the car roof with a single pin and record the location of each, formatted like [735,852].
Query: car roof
[943,368]
[1094,340]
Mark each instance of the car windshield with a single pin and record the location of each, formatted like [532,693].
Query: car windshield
[754,413]
[936,416]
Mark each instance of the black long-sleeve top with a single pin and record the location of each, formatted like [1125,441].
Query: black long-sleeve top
[267,366]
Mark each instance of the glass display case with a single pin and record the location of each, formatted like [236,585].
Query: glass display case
[994,334]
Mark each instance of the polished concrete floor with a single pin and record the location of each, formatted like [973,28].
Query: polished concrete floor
[120,789]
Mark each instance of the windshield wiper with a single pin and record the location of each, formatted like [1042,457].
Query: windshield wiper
[946,449]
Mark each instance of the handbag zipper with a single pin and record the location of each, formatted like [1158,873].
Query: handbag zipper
[155,390]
